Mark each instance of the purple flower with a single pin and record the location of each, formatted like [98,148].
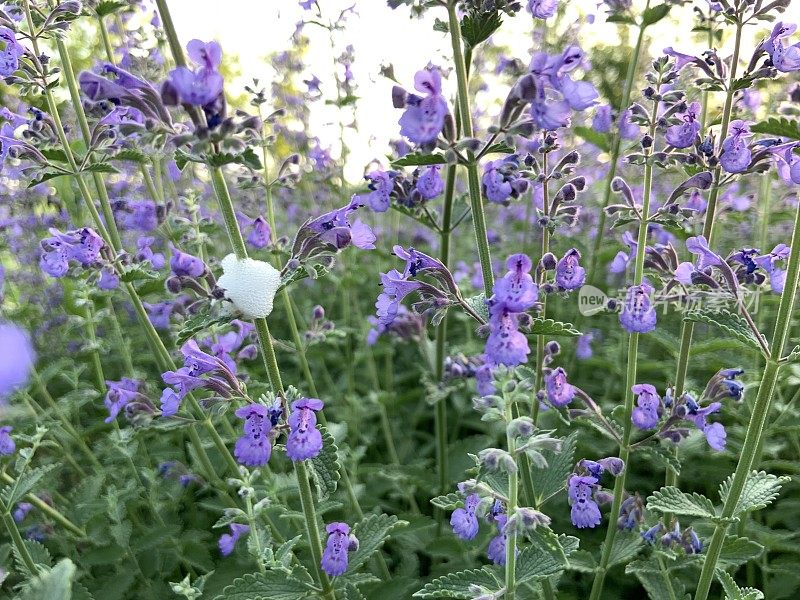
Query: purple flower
[16,358]
[254,448]
[109,280]
[170,402]
[784,59]
[496,551]
[777,277]
[603,119]
[159,314]
[638,315]
[714,432]
[627,128]
[396,286]
[82,245]
[145,252]
[7,445]
[736,155]
[580,493]
[645,414]
[464,521]
[583,348]
[501,179]
[423,118]
[334,228]
[10,52]
[334,557]
[542,9]
[186,265]
[429,183]
[559,392]
[120,393]
[684,135]
[21,511]
[203,86]
[506,345]
[139,215]
[259,235]
[580,95]
[516,289]
[380,184]
[569,274]
[227,541]
[305,440]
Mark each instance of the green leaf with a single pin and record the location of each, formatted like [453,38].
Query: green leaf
[14,492]
[478,304]
[663,456]
[782,127]
[654,14]
[130,154]
[479,26]
[729,322]
[671,500]
[737,551]
[351,593]
[548,482]
[733,591]
[540,560]
[620,18]
[499,148]
[137,272]
[371,532]
[583,562]
[760,489]
[325,466]
[272,585]
[99,168]
[595,138]
[201,321]
[540,326]
[625,547]
[450,501]
[418,159]
[660,585]
[55,584]
[314,271]
[460,585]
[37,551]
[108,7]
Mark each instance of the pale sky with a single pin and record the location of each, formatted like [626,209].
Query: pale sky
[252,29]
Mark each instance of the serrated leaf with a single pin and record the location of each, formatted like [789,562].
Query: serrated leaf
[625,547]
[671,500]
[450,501]
[595,138]
[548,482]
[654,14]
[662,455]
[733,591]
[37,552]
[201,321]
[582,561]
[458,585]
[540,326]
[418,159]
[498,148]
[351,593]
[479,26]
[99,168]
[272,585]
[779,126]
[372,532]
[759,490]
[661,585]
[54,584]
[14,492]
[325,466]
[314,271]
[137,272]
[729,322]
[737,551]
[478,304]
[539,560]
[108,7]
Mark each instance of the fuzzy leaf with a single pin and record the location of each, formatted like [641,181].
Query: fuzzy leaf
[450,501]
[418,159]
[733,591]
[14,492]
[539,560]
[626,546]
[729,322]
[737,551]
[103,9]
[478,304]
[478,27]
[351,593]
[458,585]
[55,584]
[37,551]
[671,500]
[202,320]
[371,532]
[661,585]
[595,138]
[272,585]
[540,326]
[782,127]
[548,482]
[325,466]
[760,489]
[654,14]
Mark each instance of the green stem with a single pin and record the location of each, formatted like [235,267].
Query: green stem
[756,426]
[511,508]
[19,544]
[616,146]
[630,381]
[48,510]
[473,181]
[106,39]
[251,518]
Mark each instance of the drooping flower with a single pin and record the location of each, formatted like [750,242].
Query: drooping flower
[305,440]
[186,265]
[16,358]
[638,314]
[569,274]
[501,179]
[335,228]
[580,492]
[736,154]
[227,541]
[120,394]
[396,287]
[645,414]
[7,445]
[10,52]
[559,391]
[380,184]
[339,543]
[424,117]
[516,289]
[496,551]
[463,520]
[254,447]
[777,277]
[714,433]
[784,59]
[506,345]
[684,134]
[259,233]
[429,183]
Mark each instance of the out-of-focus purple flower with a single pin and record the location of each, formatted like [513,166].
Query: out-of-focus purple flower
[82,245]
[628,130]
[777,277]
[583,347]
[580,95]
[569,274]
[10,52]
[580,493]
[201,87]
[109,280]
[227,541]
[254,447]
[638,315]
[464,521]
[16,358]
[186,265]
[380,184]
[429,183]
[7,445]
[684,135]
[159,314]
[120,393]
[645,414]
[603,119]
[496,551]
[21,511]
[559,391]
[139,215]
[784,59]
[259,233]
[145,252]
[424,117]
[543,9]
[305,440]
[736,155]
